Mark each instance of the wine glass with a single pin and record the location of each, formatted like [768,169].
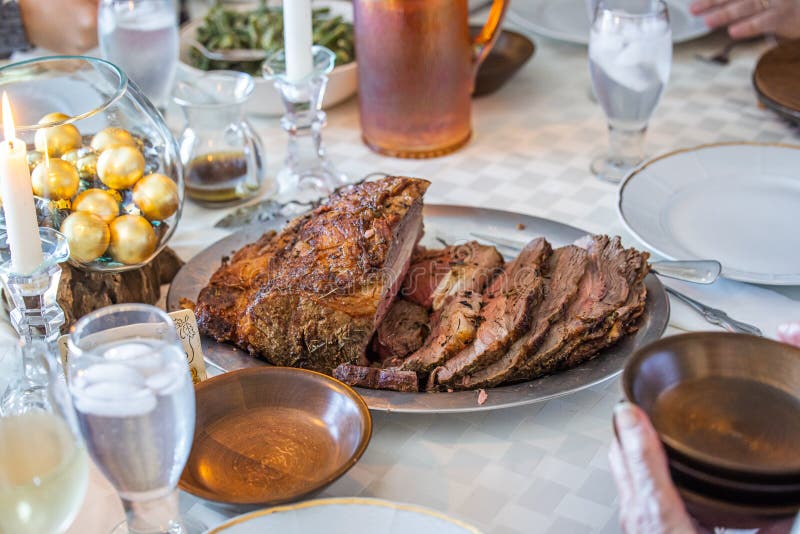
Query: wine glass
[134,400]
[44,470]
[630,55]
[141,37]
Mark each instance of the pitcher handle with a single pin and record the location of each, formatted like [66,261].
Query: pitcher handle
[485,40]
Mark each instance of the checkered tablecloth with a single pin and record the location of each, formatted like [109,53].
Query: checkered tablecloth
[539,468]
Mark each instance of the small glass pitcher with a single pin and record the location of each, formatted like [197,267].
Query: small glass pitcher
[223,157]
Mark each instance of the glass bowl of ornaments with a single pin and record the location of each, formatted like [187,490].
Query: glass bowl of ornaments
[105,169]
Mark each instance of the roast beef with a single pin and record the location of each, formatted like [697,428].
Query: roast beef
[221,302]
[376,378]
[402,331]
[329,278]
[453,328]
[603,289]
[624,320]
[505,316]
[563,271]
[434,275]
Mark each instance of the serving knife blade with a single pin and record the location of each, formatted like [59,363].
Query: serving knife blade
[695,271]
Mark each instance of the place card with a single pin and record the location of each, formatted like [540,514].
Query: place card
[189,334]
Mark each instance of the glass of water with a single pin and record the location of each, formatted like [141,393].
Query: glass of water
[630,55]
[141,37]
[134,400]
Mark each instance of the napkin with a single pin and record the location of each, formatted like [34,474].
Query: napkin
[759,306]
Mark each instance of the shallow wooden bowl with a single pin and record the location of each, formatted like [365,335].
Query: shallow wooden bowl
[725,403]
[271,435]
[510,52]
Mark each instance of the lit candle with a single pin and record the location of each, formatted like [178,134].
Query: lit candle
[297,39]
[15,188]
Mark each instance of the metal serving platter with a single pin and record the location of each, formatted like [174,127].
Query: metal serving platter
[451,224]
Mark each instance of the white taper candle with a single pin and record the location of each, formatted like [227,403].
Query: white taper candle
[17,194]
[297,39]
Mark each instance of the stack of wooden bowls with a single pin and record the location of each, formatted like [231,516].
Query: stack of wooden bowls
[727,408]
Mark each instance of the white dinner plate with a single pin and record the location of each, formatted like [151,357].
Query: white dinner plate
[345,516]
[568,20]
[738,203]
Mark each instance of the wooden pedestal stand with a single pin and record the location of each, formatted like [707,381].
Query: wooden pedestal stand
[81,292]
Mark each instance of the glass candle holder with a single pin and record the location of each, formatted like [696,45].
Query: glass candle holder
[307,173]
[222,155]
[104,167]
[35,312]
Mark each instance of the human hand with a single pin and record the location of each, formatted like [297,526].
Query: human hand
[749,18]
[649,502]
[62,26]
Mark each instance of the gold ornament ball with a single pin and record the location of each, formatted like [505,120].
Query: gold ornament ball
[112,137]
[87,234]
[120,167]
[55,180]
[34,158]
[133,240]
[98,202]
[74,155]
[87,166]
[156,196]
[57,140]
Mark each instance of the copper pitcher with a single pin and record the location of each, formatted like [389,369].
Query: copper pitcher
[416,71]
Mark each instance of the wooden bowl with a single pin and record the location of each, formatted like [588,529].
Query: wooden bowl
[272,435]
[723,403]
[511,51]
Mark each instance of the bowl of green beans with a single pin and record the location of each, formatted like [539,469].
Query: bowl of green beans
[259,25]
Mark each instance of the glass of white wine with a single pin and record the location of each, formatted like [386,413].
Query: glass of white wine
[44,469]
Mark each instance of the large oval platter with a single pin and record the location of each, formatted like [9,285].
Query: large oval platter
[451,224]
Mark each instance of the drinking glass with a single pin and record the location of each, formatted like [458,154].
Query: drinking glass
[44,471]
[141,37]
[134,401]
[630,55]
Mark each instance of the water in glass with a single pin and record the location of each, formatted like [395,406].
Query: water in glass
[134,399]
[630,55]
[141,37]
[136,411]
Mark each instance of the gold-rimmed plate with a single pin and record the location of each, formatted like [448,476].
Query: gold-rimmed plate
[731,202]
[346,516]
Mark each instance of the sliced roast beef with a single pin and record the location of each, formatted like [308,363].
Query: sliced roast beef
[402,331]
[623,320]
[603,289]
[434,275]
[562,274]
[376,378]
[505,316]
[453,328]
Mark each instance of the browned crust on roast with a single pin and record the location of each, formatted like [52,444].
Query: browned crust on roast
[327,279]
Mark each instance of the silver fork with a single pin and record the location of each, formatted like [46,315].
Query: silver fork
[716,316]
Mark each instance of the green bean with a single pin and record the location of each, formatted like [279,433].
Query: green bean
[263,28]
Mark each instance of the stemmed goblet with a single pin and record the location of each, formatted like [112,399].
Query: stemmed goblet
[43,464]
[134,401]
[630,55]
